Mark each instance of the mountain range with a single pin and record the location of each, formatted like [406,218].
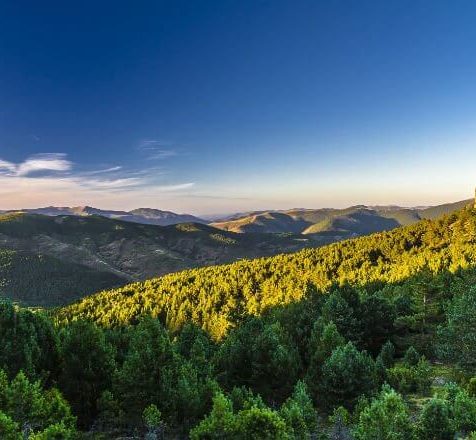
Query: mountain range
[51,256]
[50,260]
[339,223]
[147,216]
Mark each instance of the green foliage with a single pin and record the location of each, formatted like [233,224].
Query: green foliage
[110,417]
[324,340]
[8,428]
[458,335]
[407,379]
[87,367]
[412,356]
[471,388]
[28,342]
[387,354]
[346,375]
[259,355]
[464,412]
[337,309]
[434,422]
[219,424]
[298,412]
[340,415]
[260,424]
[152,418]
[386,418]
[244,398]
[225,346]
[377,315]
[55,432]
[256,422]
[147,374]
[216,298]
[195,345]
[26,405]
[43,280]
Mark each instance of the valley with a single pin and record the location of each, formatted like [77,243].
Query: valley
[52,260]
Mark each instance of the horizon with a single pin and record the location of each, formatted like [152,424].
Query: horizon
[237,106]
[217,215]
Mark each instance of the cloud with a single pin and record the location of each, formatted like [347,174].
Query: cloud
[106,170]
[162,154]
[53,179]
[7,167]
[179,187]
[41,163]
[156,149]
[44,162]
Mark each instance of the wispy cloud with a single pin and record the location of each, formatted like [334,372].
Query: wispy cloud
[156,150]
[103,171]
[41,163]
[53,179]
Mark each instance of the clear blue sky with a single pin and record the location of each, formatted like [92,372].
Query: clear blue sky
[219,106]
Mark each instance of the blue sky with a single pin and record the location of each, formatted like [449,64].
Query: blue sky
[220,106]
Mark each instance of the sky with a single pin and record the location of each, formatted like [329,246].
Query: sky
[222,106]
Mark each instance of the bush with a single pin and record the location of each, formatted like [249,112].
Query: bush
[434,422]
[8,428]
[457,338]
[299,413]
[253,423]
[411,356]
[410,379]
[260,424]
[387,354]
[219,424]
[55,432]
[464,412]
[386,418]
[346,375]
[471,388]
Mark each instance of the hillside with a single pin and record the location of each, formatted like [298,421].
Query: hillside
[146,216]
[389,348]
[335,223]
[68,257]
[216,297]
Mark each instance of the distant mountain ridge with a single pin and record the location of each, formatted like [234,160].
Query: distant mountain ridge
[348,222]
[148,216]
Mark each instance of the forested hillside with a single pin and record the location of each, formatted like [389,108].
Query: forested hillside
[217,297]
[367,339]
[50,260]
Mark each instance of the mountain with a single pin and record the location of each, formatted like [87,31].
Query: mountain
[57,255]
[146,216]
[217,298]
[50,260]
[335,223]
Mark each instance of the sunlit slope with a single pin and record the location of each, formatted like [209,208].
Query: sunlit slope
[215,297]
[58,259]
[340,223]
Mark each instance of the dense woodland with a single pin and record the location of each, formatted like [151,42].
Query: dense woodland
[51,261]
[368,339]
